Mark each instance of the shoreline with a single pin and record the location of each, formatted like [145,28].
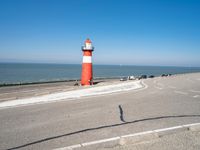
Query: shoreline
[71,80]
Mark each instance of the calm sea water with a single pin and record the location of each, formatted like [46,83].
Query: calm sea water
[23,73]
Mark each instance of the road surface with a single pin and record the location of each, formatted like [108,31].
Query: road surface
[178,141]
[168,101]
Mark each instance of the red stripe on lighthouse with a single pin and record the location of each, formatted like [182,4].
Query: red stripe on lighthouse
[87,53]
[87,72]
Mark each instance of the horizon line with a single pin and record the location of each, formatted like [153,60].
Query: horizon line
[97,64]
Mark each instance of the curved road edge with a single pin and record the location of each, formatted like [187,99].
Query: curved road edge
[133,138]
[76,94]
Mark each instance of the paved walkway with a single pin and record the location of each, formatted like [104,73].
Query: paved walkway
[179,141]
[72,95]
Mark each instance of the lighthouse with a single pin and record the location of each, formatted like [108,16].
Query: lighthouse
[87,73]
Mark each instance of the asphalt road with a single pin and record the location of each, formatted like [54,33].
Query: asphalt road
[168,101]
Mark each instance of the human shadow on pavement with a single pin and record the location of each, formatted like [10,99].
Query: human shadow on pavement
[121,113]
[97,128]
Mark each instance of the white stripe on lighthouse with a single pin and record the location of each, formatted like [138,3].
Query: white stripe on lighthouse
[87,59]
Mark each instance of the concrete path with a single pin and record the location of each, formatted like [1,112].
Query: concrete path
[179,141]
[167,102]
[73,95]
[159,137]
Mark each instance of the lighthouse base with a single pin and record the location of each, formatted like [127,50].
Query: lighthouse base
[86,77]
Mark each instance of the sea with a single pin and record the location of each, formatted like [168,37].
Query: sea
[22,73]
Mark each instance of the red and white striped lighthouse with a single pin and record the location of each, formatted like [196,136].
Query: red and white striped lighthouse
[87,73]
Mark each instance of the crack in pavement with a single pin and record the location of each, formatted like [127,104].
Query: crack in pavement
[98,128]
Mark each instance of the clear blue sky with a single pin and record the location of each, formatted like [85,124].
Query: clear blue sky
[132,32]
